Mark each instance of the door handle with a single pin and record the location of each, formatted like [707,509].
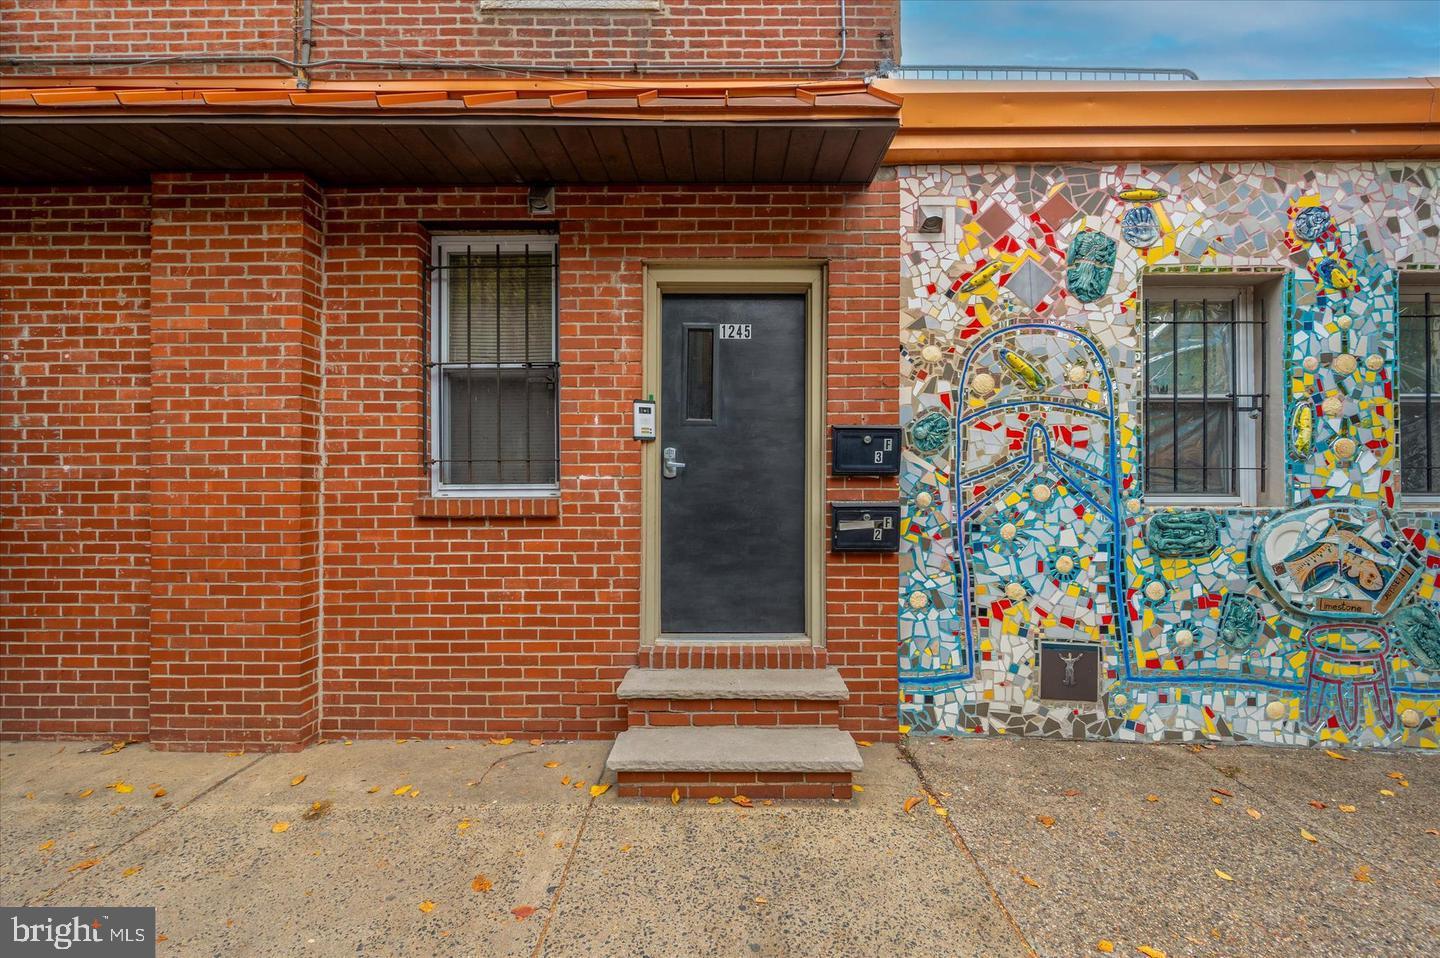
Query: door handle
[670,468]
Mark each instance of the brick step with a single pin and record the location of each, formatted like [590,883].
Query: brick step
[794,763]
[738,697]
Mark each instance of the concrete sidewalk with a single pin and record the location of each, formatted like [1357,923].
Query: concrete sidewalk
[1044,848]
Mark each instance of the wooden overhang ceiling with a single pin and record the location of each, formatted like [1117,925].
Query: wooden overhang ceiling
[445,133]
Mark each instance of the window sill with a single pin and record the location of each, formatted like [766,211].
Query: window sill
[491,507]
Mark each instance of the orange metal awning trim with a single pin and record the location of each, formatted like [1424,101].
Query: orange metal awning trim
[964,121]
[712,101]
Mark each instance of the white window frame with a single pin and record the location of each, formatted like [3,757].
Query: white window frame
[1411,283]
[1250,381]
[441,247]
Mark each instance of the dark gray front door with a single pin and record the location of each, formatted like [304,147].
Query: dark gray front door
[732,519]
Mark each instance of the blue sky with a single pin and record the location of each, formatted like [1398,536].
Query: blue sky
[1218,39]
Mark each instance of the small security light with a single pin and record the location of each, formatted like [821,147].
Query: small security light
[541,201]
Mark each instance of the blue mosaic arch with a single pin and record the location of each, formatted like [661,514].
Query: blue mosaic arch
[1025,522]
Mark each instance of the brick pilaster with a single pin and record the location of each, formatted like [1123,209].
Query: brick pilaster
[235,427]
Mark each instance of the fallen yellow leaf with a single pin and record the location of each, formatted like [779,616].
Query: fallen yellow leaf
[132,870]
[1347,809]
[1307,836]
[624,848]
[427,906]
[401,790]
[1105,945]
[714,800]
[1386,791]
[1149,952]
[1030,881]
[317,809]
[597,790]
[1216,800]
[941,812]
[1398,776]
[1152,797]
[565,780]
[1362,874]
[1222,875]
[537,741]
[862,743]
[82,866]
[1320,805]
[480,883]
[160,793]
[124,788]
[297,779]
[552,764]
[1253,813]
[279,827]
[463,824]
[48,844]
[502,741]
[87,793]
[910,803]
[233,754]
[373,789]
[675,797]
[414,793]
[580,783]
[1337,756]
[857,788]
[1045,820]
[742,801]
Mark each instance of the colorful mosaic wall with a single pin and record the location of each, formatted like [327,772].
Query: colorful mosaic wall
[1039,593]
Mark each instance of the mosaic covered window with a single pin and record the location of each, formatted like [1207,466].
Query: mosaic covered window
[493,365]
[1204,402]
[1419,382]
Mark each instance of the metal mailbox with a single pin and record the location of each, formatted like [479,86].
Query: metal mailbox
[865,450]
[864,527]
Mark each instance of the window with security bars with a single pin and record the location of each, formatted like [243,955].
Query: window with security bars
[492,364]
[1204,428]
[1418,382]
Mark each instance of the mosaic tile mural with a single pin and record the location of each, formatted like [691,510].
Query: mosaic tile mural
[1039,593]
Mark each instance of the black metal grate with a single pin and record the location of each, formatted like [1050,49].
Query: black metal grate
[491,367]
[1418,380]
[1204,429]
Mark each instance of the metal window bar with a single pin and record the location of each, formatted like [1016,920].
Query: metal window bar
[454,381]
[1419,474]
[1022,72]
[1239,402]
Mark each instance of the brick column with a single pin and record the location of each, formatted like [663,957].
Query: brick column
[235,425]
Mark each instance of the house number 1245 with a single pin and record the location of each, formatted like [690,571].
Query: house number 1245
[734,330]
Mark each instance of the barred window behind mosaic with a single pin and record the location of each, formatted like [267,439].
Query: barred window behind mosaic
[493,366]
[1203,393]
[1419,381]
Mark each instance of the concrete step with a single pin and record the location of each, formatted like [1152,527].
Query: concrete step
[796,763]
[811,685]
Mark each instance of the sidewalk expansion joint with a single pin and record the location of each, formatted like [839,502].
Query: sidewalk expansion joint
[564,875]
[960,843]
[159,821]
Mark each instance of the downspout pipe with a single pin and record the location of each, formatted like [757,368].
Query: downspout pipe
[304,64]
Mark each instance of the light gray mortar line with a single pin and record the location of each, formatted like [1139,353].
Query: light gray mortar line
[1282,809]
[564,876]
[160,821]
[959,841]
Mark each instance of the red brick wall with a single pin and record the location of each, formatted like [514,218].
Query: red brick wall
[685,32]
[192,356]
[445,626]
[74,423]
[235,391]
